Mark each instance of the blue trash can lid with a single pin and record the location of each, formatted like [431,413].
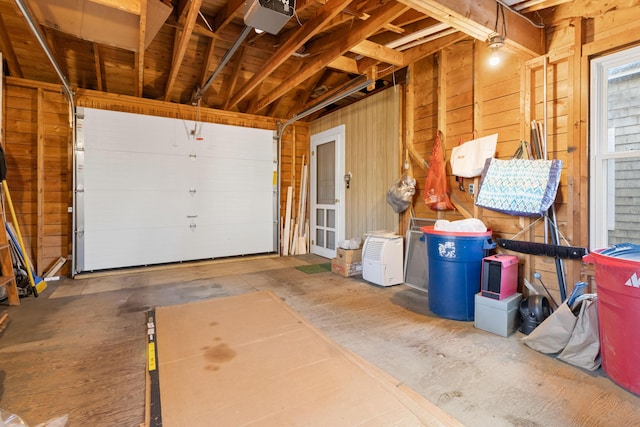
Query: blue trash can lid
[629,251]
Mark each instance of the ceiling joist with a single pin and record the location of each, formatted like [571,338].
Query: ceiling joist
[478,19]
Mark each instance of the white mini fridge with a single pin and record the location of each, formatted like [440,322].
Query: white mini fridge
[382,262]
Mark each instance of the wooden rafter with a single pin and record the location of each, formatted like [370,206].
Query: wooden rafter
[478,19]
[226,15]
[209,61]
[301,36]
[422,51]
[346,39]
[181,47]
[345,64]
[379,52]
[235,73]
[274,107]
[311,84]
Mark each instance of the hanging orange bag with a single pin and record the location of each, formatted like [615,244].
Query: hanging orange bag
[436,187]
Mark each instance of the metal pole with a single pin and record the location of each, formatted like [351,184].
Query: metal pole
[35,28]
[227,56]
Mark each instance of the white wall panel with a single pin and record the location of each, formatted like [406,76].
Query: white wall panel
[156,190]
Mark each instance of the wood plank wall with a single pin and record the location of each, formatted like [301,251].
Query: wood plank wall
[372,155]
[456,92]
[477,99]
[38,146]
[36,137]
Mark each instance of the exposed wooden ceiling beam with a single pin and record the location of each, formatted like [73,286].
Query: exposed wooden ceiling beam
[346,39]
[301,99]
[344,63]
[192,15]
[299,38]
[209,61]
[416,53]
[226,14]
[478,19]
[379,52]
[235,73]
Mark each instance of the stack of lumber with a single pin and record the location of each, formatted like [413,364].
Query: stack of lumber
[295,229]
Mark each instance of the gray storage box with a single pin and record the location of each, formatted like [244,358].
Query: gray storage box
[500,317]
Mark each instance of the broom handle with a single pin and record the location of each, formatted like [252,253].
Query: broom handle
[15,223]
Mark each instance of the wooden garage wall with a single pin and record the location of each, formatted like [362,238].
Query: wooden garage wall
[36,141]
[476,99]
[455,91]
[372,155]
[38,146]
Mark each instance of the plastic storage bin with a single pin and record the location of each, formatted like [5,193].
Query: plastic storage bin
[617,276]
[455,269]
[500,317]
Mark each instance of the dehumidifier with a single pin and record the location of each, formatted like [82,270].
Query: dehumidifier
[382,259]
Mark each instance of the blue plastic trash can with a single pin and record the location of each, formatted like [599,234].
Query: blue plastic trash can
[455,270]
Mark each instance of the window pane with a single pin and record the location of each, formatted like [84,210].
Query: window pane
[331,218]
[331,239]
[326,174]
[320,217]
[320,237]
[614,141]
[623,107]
[626,202]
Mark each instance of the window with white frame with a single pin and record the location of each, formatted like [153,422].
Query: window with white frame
[615,149]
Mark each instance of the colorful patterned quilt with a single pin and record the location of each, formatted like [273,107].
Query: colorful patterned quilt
[519,186]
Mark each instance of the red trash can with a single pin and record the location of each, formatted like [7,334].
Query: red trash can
[617,276]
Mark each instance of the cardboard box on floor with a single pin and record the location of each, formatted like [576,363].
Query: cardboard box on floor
[252,360]
[346,270]
[349,256]
[347,263]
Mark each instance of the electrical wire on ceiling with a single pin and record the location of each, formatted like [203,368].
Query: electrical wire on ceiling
[205,21]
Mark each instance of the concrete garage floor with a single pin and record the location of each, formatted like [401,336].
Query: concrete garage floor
[79,348]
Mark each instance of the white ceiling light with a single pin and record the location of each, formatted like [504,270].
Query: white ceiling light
[496,39]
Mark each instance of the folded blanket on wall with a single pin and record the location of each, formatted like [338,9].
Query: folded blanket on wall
[519,186]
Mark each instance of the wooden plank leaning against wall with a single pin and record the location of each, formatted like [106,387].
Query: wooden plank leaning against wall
[38,143]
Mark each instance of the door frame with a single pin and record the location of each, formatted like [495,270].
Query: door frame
[336,134]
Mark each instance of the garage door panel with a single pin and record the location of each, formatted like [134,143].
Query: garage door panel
[117,131]
[234,208]
[234,176]
[239,239]
[157,190]
[147,246]
[115,209]
[136,171]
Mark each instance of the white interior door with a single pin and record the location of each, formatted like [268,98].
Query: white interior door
[327,191]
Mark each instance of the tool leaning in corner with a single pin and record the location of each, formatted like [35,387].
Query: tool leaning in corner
[7,195]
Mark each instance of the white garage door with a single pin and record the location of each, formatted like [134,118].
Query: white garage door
[154,190]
